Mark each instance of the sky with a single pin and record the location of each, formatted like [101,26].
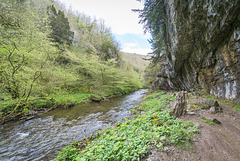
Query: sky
[117,15]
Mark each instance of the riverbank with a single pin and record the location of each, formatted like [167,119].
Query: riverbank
[40,138]
[153,134]
[19,109]
[151,126]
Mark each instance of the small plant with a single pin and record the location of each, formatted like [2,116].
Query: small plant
[207,121]
[194,106]
[237,107]
[69,153]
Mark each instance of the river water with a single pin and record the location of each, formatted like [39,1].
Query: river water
[41,138]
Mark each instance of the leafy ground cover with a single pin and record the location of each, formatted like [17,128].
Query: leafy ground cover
[151,126]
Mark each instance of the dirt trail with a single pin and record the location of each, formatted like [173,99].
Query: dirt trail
[219,142]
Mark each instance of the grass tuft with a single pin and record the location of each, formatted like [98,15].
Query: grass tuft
[207,121]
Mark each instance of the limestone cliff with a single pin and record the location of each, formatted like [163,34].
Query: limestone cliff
[203,46]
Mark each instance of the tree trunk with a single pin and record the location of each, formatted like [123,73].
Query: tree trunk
[180,105]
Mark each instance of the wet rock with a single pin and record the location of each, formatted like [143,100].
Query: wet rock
[180,105]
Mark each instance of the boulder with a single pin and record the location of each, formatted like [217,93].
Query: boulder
[212,110]
[215,108]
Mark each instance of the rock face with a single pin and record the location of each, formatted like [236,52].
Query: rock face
[203,46]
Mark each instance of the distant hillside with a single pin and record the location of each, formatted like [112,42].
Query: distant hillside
[136,61]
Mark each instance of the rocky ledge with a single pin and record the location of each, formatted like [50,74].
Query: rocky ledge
[203,47]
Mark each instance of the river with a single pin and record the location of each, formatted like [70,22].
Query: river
[41,138]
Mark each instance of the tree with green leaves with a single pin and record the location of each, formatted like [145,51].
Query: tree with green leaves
[153,17]
[61,32]
[21,40]
[32,68]
[108,48]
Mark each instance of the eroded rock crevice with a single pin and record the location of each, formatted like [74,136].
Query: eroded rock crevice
[203,47]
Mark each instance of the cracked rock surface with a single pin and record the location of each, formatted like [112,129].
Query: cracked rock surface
[203,47]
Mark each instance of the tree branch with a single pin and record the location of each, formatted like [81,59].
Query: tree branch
[7,22]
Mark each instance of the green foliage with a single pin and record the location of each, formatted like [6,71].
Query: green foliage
[61,32]
[92,35]
[207,121]
[209,97]
[153,17]
[22,47]
[231,103]
[34,73]
[65,99]
[237,107]
[151,72]
[131,140]
[108,47]
[69,153]
[193,106]
[137,62]
[157,101]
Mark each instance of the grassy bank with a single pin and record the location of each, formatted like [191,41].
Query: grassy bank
[151,126]
[21,109]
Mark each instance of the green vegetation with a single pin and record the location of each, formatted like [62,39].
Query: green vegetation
[194,107]
[138,63]
[132,139]
[53,57]
[231,103]
[153,17]
[61,32]
[207,121]
[237,107]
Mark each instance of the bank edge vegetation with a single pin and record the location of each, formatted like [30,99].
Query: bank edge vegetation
[151,127]
[54,56]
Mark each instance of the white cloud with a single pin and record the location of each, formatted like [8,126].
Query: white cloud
[130,45]
[135,48]
[146,36]
[116,13]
